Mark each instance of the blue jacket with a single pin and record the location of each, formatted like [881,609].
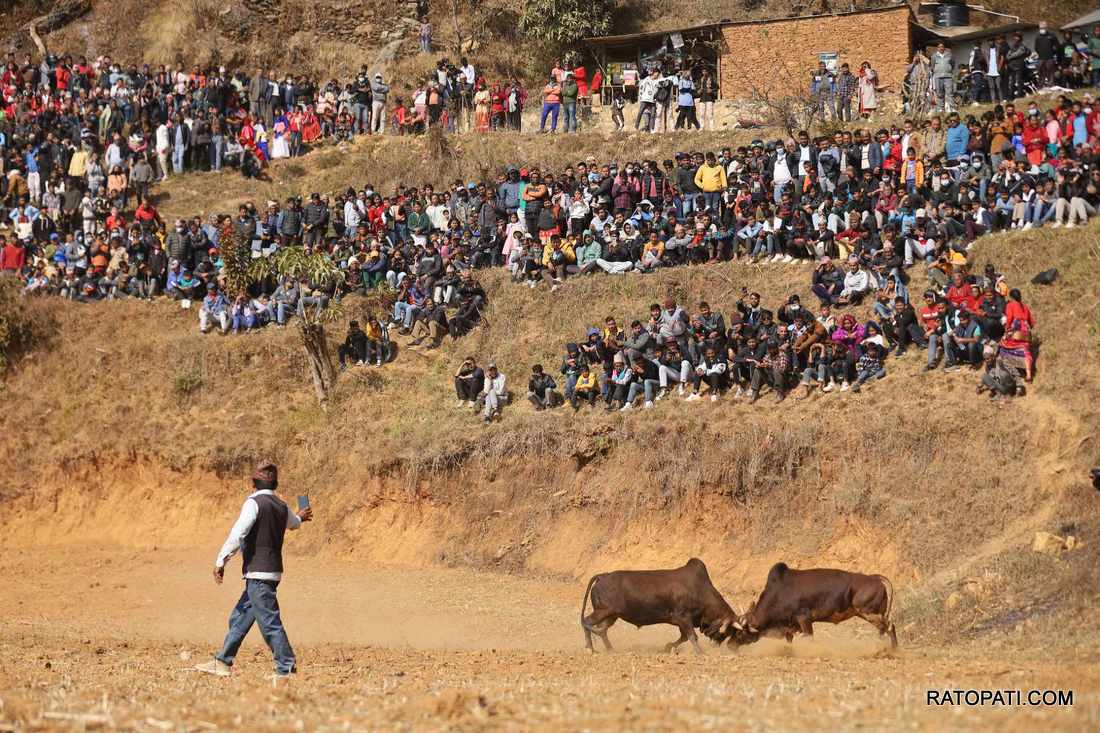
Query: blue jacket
[957,139]
[215,304]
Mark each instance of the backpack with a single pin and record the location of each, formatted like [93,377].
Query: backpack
[664,91]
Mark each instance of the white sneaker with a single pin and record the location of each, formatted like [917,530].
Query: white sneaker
[461,404]
[648,405]
[554,288]
[1055,225]
[788,259]
[828,387]
[740,393]
[216,667]
[627,406]
[692,397]
[680,390]
[714,398]
[662,394]
[777,258]
[1070,226]
[844,387]
[1027,225]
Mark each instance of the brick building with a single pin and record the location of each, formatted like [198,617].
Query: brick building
[769,54]
[779,55]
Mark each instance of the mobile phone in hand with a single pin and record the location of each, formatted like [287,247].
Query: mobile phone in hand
[303,503]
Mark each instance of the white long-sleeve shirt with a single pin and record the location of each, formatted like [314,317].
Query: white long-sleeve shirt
[496,385]
[250,510]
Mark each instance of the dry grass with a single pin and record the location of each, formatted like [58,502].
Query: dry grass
[915,477]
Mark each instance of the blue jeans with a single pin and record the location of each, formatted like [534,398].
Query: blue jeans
[570,116]
[258,604]
[935,343]
[648,387]
[550,109]
[687,205]
[765,243]
[1041,213]
[405,313]
[360,115]
[281,311]
[178,154]
[321,301]
[714,200]
[868,374]
[217,150]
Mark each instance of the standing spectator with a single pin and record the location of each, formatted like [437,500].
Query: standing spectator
[685,100]
[847,87]
[379,93]
[425,35]
[569,94]
[1046,48]
[822,88]
[943,78]
[551,104]
[708,94]
[868,90]
[1016,64]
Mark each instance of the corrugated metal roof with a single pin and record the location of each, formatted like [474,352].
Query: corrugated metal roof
[653,35]
[647,36]
[1092,18]
[968,33]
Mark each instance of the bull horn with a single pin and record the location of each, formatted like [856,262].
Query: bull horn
[725,627]
[736,625]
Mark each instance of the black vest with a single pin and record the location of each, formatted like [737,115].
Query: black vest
[262,548]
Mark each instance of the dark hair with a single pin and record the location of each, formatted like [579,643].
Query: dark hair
[537,368]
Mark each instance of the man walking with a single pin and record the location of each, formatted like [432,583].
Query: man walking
[258,534]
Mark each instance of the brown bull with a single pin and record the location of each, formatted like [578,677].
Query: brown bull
[683,597]
[793,600]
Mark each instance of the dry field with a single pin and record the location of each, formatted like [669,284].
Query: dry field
[103,639]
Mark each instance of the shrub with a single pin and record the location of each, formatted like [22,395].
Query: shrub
[23,324]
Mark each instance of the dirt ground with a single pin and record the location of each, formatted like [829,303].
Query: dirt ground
[105,639]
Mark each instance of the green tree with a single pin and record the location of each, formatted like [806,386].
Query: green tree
[316,267]
[565,22]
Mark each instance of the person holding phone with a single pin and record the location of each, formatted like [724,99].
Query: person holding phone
[258,534]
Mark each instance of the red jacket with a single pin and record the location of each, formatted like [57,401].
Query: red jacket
[12,258]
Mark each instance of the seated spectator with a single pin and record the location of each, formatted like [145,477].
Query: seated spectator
[586,389]
[493,395]
[469,381]
[354,346]
[541,389]
[214,307]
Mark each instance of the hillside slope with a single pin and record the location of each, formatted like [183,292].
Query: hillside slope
[129,414]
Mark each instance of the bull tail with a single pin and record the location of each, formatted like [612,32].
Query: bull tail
[889,596]
[584,601]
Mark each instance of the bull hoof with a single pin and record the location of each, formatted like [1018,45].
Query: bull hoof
[590,650]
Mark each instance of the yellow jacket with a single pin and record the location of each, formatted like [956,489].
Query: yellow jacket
[710,178]
[567,250]
[586,384]
[78,165]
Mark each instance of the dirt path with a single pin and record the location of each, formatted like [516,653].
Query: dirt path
[109,635]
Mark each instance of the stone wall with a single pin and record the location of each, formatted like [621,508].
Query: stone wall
[778,56]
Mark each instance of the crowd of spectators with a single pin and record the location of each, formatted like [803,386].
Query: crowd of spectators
[861,207]
[978,322]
